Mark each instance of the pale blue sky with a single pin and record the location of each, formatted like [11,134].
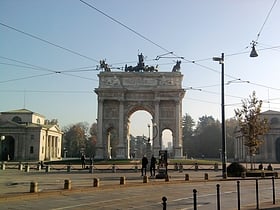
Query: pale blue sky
[193,29]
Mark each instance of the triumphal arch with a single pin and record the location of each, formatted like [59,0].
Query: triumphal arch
[120,94]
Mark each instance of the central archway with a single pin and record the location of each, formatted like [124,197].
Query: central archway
[121,93]
[140,133]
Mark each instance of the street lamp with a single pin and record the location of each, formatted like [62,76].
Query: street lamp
[156,132]
[224,156]
[253,53]
[149,132]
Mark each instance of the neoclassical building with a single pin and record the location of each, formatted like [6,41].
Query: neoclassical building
[269,151]
[26,135]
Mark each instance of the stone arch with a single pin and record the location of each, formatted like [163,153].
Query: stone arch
[8,148]
[121,93]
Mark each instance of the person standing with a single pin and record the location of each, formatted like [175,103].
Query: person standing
[83,159]
[153,166]
[144,165]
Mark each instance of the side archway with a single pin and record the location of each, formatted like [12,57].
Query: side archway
[7,148]
[277,147]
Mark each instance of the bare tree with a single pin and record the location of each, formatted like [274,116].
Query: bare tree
[252,126]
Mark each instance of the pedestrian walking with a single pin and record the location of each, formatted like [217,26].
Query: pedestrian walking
[144,165]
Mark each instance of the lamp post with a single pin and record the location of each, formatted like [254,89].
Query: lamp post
[149,126]
[224,153]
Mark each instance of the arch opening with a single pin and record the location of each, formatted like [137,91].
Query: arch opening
[167,141]
[7,148]
[140,133]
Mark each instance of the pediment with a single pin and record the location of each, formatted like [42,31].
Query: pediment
[54,128]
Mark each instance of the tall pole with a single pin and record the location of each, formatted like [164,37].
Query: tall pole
[224,152]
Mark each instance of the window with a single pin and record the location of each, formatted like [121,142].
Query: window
[43,150]
[16,119]
[38,121]
[274,121]
[31,150]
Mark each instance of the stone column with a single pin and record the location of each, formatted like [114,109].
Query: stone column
[177,138]
[100,149]
[156,130]
[122,150]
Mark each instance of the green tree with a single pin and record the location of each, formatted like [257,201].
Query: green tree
[207,137]
[75,138]
[231,129]
[251,125]
[91,140]
[188,130]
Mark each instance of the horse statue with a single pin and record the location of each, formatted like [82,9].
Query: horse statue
[104,65]
[177,66]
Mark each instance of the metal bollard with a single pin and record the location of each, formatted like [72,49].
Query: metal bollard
[39,167]
[145,179]
[238,195]
[27,168]
[196,167]
[273,191]
[95,182]
[167,178]
[114,168]
[48,168]
[33,187]
[136,168]
[194,199]
[257,194]
[67,184]
[216,167]
[69,168]
[206,176]
[187,177]
[20,166]
[122,180]
[218,197]
[90,169]
[164,199]
[181,168]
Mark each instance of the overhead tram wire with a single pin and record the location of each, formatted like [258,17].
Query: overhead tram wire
[28,77]
[41,69]
[258,35]
[29,65]
[125,26]
[161,47]
[48,42]
[50,91]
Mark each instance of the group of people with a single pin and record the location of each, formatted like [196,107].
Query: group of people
[269,167]
[145,162]
[83,161]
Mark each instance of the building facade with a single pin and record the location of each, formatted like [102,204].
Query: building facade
[28,136]
[269,151]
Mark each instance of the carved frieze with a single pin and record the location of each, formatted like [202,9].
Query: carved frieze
[140,80]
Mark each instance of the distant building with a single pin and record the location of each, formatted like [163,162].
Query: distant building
[26,135]
[269,151]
